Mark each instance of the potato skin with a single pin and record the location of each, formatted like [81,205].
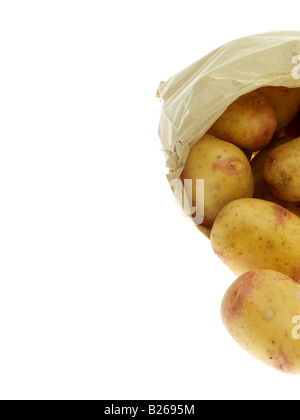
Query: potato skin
[260,310]
[249,123]
[285,102]
[281,171]
[226,172]
[260,185]
[250,234]
[261,188]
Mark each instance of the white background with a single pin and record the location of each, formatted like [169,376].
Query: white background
[105,290]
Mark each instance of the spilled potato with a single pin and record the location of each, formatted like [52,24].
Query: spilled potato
[261,311]
[250,234]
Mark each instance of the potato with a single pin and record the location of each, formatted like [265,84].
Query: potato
[261,311]
[226,172]
[247,154]
[249,123]
[281,171]
[285,102]
[261,189]
[250,234]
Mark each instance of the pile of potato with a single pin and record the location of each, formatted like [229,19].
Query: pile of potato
[250,162]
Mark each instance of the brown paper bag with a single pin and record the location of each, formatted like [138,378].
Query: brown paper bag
[197,96]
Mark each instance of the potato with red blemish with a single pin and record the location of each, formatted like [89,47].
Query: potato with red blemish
[226,172]
[249,123]
[281,170]
[261,311]
[250,234]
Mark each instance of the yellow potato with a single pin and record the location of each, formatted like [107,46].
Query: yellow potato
[257,163]
[285,102]
[250,234]
[249,123]
[261,311]
[281,170]
[226,172]
[261,189]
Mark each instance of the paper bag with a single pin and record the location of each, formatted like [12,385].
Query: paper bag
[197,96]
